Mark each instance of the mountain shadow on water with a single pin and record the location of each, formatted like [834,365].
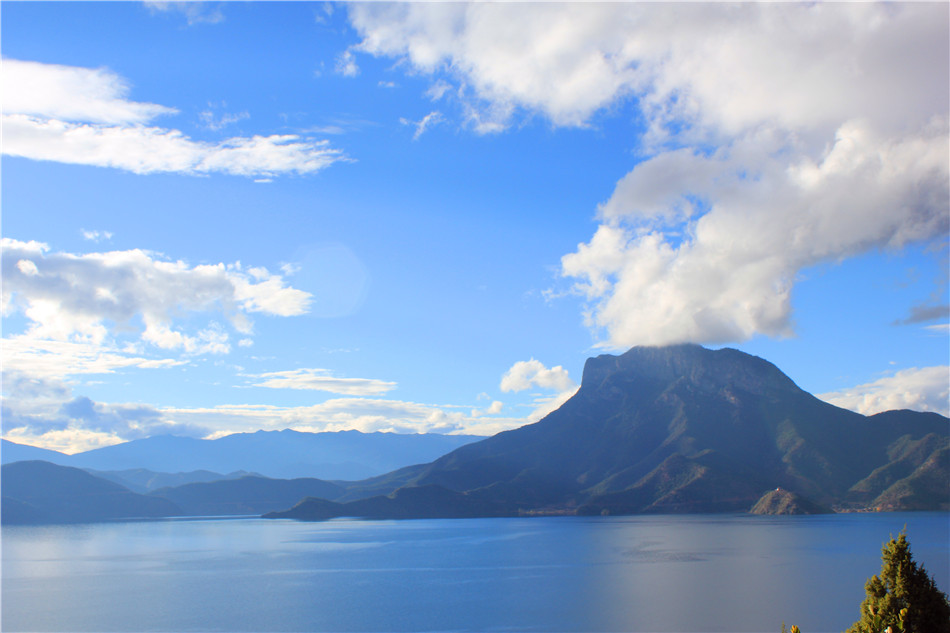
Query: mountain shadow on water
[679,429]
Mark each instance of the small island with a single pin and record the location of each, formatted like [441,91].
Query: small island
[781,501]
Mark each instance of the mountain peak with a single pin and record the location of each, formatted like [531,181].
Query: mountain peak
[708,369]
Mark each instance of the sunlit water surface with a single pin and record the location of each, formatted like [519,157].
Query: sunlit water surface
[649,573]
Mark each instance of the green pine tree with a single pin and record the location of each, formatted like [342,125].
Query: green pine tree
[904,598]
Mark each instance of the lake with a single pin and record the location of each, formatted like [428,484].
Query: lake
[642,573]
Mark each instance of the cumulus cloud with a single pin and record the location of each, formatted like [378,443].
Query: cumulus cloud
[777,136]
[83,116]
[85,299]
[527,374]
[727,65]
[746,227]
[919,389]
[321,380]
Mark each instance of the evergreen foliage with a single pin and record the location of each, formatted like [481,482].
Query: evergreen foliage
[904,598]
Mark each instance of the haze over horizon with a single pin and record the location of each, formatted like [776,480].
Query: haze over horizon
[225,217]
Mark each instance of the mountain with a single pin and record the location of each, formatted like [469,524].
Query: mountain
[245,495]
[12,452]
[344,455]
[410,502]
[144,481]
[687,429]
[41,492]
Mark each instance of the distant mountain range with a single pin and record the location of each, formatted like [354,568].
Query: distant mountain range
[656,430]
[41,492]
[679,429]
[346,455]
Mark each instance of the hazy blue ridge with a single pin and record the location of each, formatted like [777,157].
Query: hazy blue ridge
[12,452]
[41,492]
[143,481]
[287,454]
[245,495]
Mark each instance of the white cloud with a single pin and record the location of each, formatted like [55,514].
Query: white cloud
[67,440]
[919,389]
[82,116]
[87,299]
[724,66]
[777,136]
[526,374]
[69,93]
[545,57]
[493,409]
[321,380]
[532,373]
[726,272]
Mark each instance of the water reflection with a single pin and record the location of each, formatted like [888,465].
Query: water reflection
[723,573]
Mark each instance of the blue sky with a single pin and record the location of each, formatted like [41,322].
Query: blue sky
[225,217]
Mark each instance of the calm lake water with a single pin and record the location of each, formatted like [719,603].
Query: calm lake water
[648,573]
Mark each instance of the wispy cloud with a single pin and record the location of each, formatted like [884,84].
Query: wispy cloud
[924,313]
[321,380]
[346,64]
[216,122]
[43,359]
[194,11]
[83,116]
[96,236]
[424,124]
